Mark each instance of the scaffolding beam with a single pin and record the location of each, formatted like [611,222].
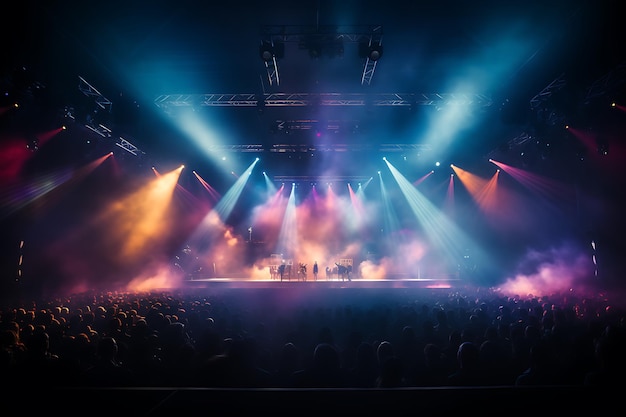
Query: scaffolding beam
[322,36]
[606,84]
[90,91]
[331,147]
[370,65]
[169,102]
[128,147]
[319,33]
[547,92]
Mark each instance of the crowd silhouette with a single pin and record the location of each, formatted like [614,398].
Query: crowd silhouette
[346,338]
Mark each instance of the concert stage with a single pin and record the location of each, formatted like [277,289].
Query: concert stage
[321,283]
[282,298]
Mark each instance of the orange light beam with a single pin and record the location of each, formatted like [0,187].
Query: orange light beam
[139,220]
[487,198]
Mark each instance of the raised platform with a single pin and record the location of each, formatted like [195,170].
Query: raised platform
[242,282]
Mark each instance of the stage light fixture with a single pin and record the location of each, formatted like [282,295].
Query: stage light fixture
[375,51]
[266,51]
[269,50]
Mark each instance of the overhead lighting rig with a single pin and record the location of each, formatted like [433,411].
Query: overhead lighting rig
[170,102]
[318,41]
[105,104]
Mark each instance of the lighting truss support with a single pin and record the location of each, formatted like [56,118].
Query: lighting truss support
[368,71]
[271,67]
[271,64]
[513,143]
[90,91]
[128,147]
[100,129]
[370,65]
[324,35]
[348,147]
[236,148]
[547,92]
[169,102]
[308,148]
[321,179]
[606,84]
[106,104]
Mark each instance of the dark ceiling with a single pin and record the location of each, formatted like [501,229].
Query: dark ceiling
[500,63]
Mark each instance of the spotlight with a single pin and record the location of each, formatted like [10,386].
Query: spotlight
[375,51]
[372,50]
[602,146]
[33,144]
[268,50]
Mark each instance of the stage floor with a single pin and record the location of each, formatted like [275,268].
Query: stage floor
[242,282]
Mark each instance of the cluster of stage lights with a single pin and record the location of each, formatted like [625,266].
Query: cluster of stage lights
[329,184]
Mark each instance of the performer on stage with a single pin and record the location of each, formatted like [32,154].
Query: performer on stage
[302,271]
[315,270]
[281,271]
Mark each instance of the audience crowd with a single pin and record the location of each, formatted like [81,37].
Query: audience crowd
[328,338]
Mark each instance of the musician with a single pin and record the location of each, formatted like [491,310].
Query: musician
[281,271]
[303,271]
[341,271]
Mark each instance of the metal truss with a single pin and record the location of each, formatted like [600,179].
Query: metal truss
[516,142]
[236,148]
[106,104]
[322,179]
[310,148]
[169,102]
[519,140]
[271,68]
[368,71]
[100,129]
[324,36]
[128,147]
[547,92]
[370,65]
[348,147]
[606,84]
[287,126]
[90,91]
